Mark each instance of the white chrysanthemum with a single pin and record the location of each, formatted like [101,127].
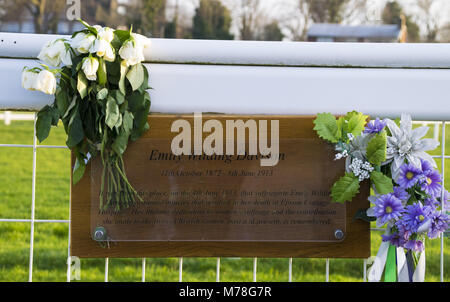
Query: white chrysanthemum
[407,144]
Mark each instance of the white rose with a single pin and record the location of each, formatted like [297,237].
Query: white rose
[132,51]
[129,53]
[66,57]
[106,34]
[99,47]
[90,67]
[102,48]
[110,55]
[29,79]
[143,41]
[55,52]
[82,42]
[46,82]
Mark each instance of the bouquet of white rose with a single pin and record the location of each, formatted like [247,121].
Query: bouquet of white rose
[100,88]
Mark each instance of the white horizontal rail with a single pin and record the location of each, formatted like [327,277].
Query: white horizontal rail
[387,55]
[186,88]
[418,88]
[36,220]
[423,93]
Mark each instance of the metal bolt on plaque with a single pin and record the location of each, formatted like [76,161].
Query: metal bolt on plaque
[338,234]
[99,234]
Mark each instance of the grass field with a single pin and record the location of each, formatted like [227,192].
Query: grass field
[50,245]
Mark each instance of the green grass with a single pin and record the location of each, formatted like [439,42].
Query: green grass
[50,245]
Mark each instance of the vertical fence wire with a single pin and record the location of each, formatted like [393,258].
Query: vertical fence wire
[218,270]
[255,268]
[143,270]
[106,269]
[290,270]
[33,204]
[69,258]
[180,269]
[365,270]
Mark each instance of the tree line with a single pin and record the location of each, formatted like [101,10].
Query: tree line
[232,19]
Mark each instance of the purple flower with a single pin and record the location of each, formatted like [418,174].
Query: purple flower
[409,175]
[439,224]
[445,199]
[431,183]
[415,216]
[414,245]
[387,207]
[401,194]
[402,231]
[375,126]
[394,239]
[427,167]
[432,202]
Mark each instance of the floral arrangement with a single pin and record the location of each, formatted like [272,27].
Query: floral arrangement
[408,197]
[100,88]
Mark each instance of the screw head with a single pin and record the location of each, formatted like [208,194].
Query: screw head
[339,234]
[99,234]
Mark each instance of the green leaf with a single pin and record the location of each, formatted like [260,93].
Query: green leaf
[54,113]
[356,123]
[62,102]
[43,123]
[128,121]
[78,170]
[118,96]
[136,76]
[102,94]
[112,112]
[342,127]
[120,143]
[376,149]
[75,133]
[82,85]
[326,127]
[76,64]
[144,85]
[71,106]
[141,117]
[122,35]
[345,188]
[382,183]
[119,122]
[101,72]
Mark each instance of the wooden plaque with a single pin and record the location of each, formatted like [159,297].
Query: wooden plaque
[224,206]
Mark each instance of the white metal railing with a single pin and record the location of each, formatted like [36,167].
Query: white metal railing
[9,116]
[32,222]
